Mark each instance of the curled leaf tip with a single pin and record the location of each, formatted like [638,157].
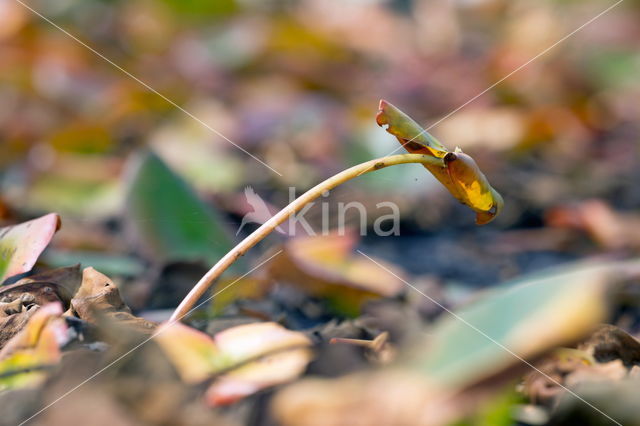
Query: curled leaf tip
[482,218]
[380,116]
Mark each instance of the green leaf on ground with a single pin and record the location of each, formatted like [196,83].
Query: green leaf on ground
[526,317]
[168,219]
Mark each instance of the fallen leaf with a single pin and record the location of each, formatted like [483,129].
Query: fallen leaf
[19,301]
[98,302]
[325,267]
[26,357]
[379,398]
[541,386]
[21,245]
[267,371]
[29,338]
[238,288]
[245,358]
[607,354]
[76,185]
[109,263]
[65,281]
[439,382]
[194,353]
[609,343]
[515,315]
[611,229]
[601,372]
[167,218]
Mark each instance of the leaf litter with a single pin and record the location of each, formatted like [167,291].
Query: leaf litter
[320,335]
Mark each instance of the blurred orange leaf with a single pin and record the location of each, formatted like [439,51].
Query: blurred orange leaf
[325,267]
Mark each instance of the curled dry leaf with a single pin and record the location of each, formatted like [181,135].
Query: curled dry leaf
[542,388]
[461,175]
[22,244]
[98,302]
[11,324]
[575,367]
[19,301]
[24,359]
[64,281]
[29,338]
[326,267]
[609,343]
[601,372]
[244,358]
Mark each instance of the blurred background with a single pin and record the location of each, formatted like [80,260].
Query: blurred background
[297,84]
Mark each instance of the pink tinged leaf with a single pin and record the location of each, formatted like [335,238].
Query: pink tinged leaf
[249,340]
[271,370]
[280,355]
[246,358]
[22,244]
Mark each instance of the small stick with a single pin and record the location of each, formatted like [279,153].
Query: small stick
[265,229]
[376,345]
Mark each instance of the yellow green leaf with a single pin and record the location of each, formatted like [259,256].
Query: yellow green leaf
[25,358]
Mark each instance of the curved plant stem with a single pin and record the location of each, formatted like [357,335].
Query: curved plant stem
[207,280]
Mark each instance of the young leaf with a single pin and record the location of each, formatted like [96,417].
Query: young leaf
[472,187]
[461,175]
[21,245]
